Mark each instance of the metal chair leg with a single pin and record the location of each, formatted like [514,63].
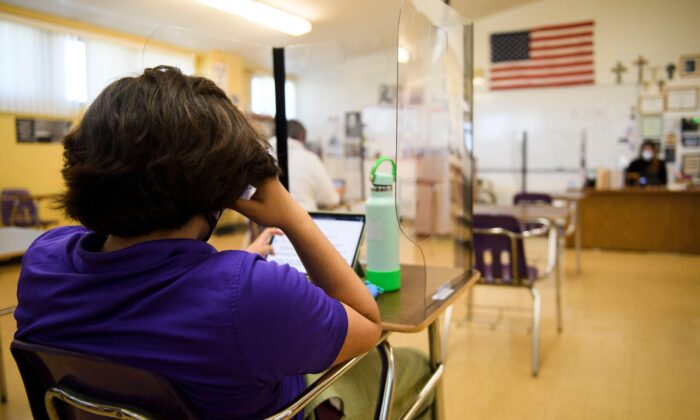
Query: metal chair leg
[435,344]
[470,303]
[557,281]
[3,381]
[447,323]
[386,387]
[536,309]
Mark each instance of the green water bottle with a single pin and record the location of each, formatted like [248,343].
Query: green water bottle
[382,235]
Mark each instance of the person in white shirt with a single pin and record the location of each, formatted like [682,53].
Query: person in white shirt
[309,182]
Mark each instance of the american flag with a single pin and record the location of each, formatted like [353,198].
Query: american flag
[558,55]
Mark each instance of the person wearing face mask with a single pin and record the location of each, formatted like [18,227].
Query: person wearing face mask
[647,169]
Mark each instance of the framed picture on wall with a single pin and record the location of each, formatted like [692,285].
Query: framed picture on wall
[29,130]
[690,164]
[651,126]
[690,65]
[670,154]
[651,104]
[683,98]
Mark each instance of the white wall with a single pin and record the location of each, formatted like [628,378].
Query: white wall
[349,84]
[661,31]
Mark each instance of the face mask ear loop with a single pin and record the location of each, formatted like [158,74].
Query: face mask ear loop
[212,220]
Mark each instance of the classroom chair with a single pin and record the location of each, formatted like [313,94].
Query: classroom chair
[19,209]
[525,198]
[532,198]
[62,384]
[500,257]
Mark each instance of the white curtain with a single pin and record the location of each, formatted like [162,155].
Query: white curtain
[45,72]
[33,71]
[108,61]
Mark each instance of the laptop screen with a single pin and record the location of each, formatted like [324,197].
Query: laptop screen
[344,231]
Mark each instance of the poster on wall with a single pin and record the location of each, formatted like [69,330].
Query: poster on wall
[40,130]
[651,126]
[690,65]
[651,104]
[670,154]
[691,140]
[353,124]
[682,98]
[691,165]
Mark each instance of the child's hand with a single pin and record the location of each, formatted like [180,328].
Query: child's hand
[261,245]
[271,205]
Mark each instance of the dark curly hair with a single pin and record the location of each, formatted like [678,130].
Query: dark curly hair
[155,150]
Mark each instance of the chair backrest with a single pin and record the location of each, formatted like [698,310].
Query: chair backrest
[532,198]
[44,367]
[495,269]
[18,209]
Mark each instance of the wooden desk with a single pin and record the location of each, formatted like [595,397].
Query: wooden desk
[526,212]
[408,310]
[14,241]
[568,195]
[641,219]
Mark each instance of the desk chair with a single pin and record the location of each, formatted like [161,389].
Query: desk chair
[525,198]
[532,198]
[547,200]
[500,257]
[62,384]
[19,209]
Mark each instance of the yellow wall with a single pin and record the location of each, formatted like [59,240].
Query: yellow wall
[235,79]
[35,166]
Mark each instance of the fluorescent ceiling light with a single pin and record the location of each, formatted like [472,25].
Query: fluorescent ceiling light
[263,14]
[404,56]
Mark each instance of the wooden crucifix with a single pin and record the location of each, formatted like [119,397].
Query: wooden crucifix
[618,70]
[640,63]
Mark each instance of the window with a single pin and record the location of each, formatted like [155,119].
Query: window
[34,71]
[76,75]
[52,73]
[262,92]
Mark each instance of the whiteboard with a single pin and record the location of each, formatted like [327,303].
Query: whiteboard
[556,120]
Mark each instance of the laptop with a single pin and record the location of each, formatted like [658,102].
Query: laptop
[345,231]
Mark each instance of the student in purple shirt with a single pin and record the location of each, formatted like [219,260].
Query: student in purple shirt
[148,170]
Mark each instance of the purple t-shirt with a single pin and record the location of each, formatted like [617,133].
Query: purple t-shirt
[233,331]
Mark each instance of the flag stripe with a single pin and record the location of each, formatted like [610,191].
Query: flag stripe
[560,41]
[540,73]
[564,26]
[543,76]
[562,36]
[554,84]
[543,66]
[558,46]
[576,54]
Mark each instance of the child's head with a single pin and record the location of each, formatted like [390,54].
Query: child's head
[155,150]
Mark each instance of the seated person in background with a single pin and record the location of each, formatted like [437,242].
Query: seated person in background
[309,182]
[647,169]
[148,171]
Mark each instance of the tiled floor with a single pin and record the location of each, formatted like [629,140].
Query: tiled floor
[630,347]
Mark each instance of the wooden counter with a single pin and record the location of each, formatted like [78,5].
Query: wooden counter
[641,220]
